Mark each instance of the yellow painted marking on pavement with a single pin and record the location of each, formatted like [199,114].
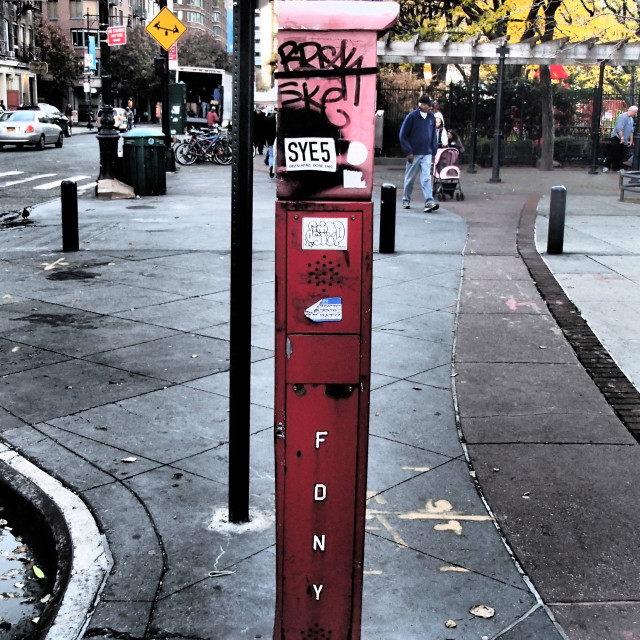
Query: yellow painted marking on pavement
[452,569]
[441,510]
[56,183]
[418,469]
[452,525]
[60,262]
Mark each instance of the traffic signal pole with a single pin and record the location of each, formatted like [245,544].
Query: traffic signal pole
[108,136]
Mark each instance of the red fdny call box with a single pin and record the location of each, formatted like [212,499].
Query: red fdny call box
[323,329]
[324,236]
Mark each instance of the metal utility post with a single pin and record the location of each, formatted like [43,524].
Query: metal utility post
[497,132]
[636,133]
[108,136]
[595,122]
[475,74]
[166,128]
[241,261]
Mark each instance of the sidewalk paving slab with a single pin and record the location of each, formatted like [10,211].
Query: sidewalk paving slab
[129,410]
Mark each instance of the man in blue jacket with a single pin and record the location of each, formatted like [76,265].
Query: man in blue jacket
[418,139]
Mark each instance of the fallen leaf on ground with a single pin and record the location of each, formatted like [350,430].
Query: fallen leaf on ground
[482,611]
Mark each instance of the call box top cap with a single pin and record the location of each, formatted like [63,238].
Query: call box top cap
[337,15]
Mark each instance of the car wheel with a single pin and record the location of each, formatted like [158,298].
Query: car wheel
[60,141]
[41,144]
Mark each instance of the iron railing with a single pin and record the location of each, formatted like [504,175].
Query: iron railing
[521,129]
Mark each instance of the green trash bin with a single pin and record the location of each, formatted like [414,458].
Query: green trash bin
[143,162]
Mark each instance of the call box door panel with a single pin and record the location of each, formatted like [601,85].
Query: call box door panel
[324,271]
[319,499]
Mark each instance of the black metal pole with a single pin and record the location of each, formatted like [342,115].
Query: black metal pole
[475,74]
[108,136]
[636,135]
[595,122]
[557,207]
[497,131]
[387,240]
[241,250]
[69,204]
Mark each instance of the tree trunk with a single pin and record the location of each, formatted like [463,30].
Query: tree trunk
[548,138]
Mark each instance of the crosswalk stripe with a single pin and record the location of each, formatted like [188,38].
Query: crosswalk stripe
[57,183]
[29,179]
[4,174]
[86,186]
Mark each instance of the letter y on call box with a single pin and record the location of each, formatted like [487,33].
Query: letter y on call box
[327,65]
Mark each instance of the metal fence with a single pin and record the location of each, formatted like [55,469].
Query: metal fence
[521,120]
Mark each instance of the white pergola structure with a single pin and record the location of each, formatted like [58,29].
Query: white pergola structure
[472,51]
[500,52]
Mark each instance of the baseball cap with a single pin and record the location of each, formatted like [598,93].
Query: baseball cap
[425,99]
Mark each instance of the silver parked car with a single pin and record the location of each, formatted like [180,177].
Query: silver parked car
[29,128]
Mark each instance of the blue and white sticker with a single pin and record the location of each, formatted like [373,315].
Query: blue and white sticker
[325,310]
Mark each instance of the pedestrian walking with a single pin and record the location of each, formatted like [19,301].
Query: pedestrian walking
[419,141]
[129,114]
[621,139]
[270,127]
[259,141]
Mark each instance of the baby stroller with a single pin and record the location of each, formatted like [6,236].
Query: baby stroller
[446,175]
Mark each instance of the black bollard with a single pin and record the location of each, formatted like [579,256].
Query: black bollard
[69,200]
[387,239]
[557,206]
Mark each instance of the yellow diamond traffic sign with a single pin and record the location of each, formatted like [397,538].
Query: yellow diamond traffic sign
[166,28]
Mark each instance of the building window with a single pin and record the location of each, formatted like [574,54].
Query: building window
[216,16]
[52,9]
[80,37]
[75,9]
[194,16]
[196,3]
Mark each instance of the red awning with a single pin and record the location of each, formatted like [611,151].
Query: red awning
[558,72]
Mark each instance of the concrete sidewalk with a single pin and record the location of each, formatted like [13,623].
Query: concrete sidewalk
[115,363]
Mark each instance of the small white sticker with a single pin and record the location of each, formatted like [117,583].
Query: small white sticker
[324,233]
[353,180]
[310,154]
[325,310]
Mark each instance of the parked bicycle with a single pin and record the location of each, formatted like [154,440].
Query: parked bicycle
[206,145]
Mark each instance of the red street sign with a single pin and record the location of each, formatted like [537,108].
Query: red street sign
[116,36]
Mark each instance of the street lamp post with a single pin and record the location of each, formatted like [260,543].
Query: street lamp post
[108,136]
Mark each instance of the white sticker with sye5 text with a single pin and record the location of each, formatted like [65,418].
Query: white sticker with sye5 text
[310,154]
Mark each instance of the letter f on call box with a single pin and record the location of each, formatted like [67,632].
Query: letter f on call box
[327,65]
